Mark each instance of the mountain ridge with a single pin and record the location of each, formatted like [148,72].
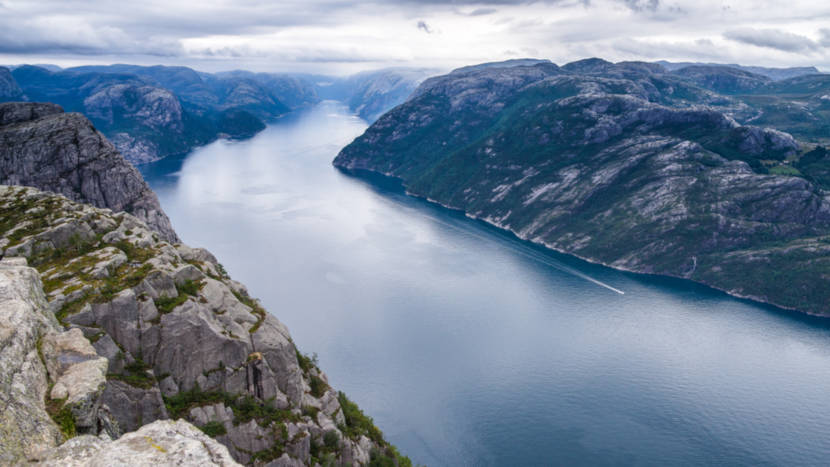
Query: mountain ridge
[618,164]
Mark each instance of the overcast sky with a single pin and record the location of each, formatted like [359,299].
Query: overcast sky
[342,36]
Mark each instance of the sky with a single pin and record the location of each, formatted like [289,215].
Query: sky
[346,36]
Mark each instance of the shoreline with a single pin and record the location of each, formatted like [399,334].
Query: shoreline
[757,300]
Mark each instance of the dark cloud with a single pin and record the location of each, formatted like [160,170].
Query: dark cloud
[482,12]
[772,39]
[642,5]
[423,26]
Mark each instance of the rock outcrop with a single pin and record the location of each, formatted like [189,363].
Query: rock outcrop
[180,339]
[44,371]
[622,164]
[163,442]
[43,147]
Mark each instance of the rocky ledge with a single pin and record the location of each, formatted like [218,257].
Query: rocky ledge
[43,147]
[128,329]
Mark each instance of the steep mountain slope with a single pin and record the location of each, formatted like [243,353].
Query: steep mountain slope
[145,121]
[43,147]
[179,339]
[372,93]
[154,112]
[623,164]
[9,89]
[53,381]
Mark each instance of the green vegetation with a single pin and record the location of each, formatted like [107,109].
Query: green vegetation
[166,304]
[331,440]
[245,407]
[187,289]
[306,362]
[255,309]
[318,386]
[358,423]
[785,170]
[135,374]
[267,455]
[310,411]
[213,429]
[62,415]
[388,457]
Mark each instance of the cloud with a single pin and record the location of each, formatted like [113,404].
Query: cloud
[482,12]
[642,5]
[344,35]
[772,39]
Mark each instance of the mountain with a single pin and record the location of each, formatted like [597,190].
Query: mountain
[154,112]
[111,327]
[9,89]
[372,93]
[130,329]
[627,165]
[771,73]
[44,147]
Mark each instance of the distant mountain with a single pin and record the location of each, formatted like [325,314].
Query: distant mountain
[370,94]
[771,73]
[151,112]
[724,80]
[154,112]
[630,165]
[43,147]
[9,89]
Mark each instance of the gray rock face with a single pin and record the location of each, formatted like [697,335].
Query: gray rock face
[164,443]
[156,108]
[42,147]
[373,93]
[133,406]
[25,427]
[622,164]
[9,89]
[35,353]
[177,338]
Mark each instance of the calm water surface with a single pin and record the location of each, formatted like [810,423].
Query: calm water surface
[469,347]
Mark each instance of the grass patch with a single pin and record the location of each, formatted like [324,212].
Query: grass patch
[318,386]
[166,304]
[135,253]
[245,408]
[63,416]
[255,309]
[785,170]
[358,423]
[135,374]
[267,455]
[310,411]
[306,362]
[213,429]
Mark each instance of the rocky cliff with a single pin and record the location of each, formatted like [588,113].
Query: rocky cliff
[43,147]
[162,333]
[9,89]
[53,381]
[153,112]
[623,164]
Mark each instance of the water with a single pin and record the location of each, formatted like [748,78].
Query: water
[469,347]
